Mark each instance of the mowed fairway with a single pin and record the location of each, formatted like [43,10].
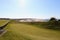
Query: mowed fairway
[19,31]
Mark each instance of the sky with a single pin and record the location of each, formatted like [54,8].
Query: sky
[42,9]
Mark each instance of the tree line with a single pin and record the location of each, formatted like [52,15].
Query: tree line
[53,23]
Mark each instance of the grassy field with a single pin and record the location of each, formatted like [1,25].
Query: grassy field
[2,22]
[20,31]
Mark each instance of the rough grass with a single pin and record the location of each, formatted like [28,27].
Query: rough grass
[19,31]
[2,22]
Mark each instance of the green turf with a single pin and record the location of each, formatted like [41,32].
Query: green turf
[19,31]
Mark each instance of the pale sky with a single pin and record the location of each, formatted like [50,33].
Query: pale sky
[41,9]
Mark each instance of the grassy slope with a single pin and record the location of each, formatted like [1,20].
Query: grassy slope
[18,31]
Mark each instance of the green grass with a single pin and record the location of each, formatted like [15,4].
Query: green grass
[20,31]
[2,22]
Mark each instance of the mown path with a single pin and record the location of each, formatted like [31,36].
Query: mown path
[18,31]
